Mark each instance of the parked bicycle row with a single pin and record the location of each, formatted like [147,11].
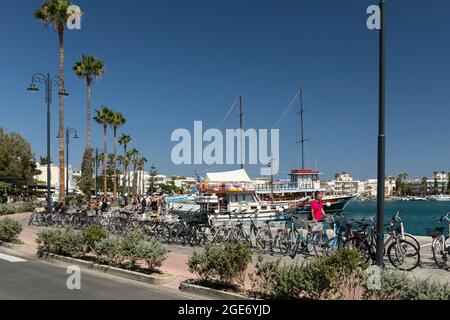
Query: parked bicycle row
[285,238]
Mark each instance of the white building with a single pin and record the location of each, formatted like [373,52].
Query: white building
[185,183]
[440,181]
[371,187]
[344,184]
[74,174]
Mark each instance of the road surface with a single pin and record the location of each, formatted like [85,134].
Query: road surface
[27,278]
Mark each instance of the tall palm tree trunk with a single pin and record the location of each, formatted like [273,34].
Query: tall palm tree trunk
[89,112]
[124,175]
[62,184]
[114,165]
[105,178]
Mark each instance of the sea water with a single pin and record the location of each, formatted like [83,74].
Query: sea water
[419,217]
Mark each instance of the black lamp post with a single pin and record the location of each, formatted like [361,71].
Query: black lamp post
[47,81]
[381,138]
[75,136]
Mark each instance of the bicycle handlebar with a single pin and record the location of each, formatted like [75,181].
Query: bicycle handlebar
[446,218]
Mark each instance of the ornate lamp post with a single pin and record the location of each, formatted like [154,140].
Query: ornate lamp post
[48,82]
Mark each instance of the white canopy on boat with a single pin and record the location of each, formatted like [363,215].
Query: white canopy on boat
[228,176]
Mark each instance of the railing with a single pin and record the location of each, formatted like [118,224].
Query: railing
[285,187]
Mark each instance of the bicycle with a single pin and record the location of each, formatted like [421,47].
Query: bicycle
[402,254]
[441,243]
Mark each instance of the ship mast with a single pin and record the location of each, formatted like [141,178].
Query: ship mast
[302,134]
[271,177]
[241,124]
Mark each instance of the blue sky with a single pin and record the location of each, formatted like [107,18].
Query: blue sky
[172,62]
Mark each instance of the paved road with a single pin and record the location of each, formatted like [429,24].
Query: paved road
[25,278]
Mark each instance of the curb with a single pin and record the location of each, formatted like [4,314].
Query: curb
[155,280]
[210,293]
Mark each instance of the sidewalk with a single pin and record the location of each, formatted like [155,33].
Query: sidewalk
[176,262]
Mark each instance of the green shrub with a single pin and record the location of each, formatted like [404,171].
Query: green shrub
[129,247]
[152,252]
[65,242]
[226,264]
[8,209]
[92,234]
[322,278]
[117,251]
[9,230]
[107,250]
[339,277]
[25,207]
[397,285]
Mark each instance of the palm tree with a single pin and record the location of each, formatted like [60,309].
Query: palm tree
[103,117]
[425,185]
[54,12]
[141,166]
[124,140]
[89,68]
[117,120]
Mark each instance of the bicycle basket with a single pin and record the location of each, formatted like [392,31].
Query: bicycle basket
[317,227]
[300,223]
[435,232]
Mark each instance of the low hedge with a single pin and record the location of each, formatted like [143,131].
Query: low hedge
[319,279]
[6,209]
[225,264]
[398,286]
[338,277]
[94,244]
[9,230]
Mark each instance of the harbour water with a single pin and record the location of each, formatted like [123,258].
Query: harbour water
[417,216]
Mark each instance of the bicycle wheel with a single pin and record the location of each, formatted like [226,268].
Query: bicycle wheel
[242,236]
[285,242]
[319,242]
[440,248]
[332,246]
[218,235]
[413,240]
[403,255]
[33,219]
[360,244]
[262,239]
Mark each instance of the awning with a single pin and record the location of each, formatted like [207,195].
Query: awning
[228,176]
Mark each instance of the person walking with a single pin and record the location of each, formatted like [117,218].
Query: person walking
[317,211]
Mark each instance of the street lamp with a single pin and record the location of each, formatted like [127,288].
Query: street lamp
[381,138]
[75,136]
[47,81]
